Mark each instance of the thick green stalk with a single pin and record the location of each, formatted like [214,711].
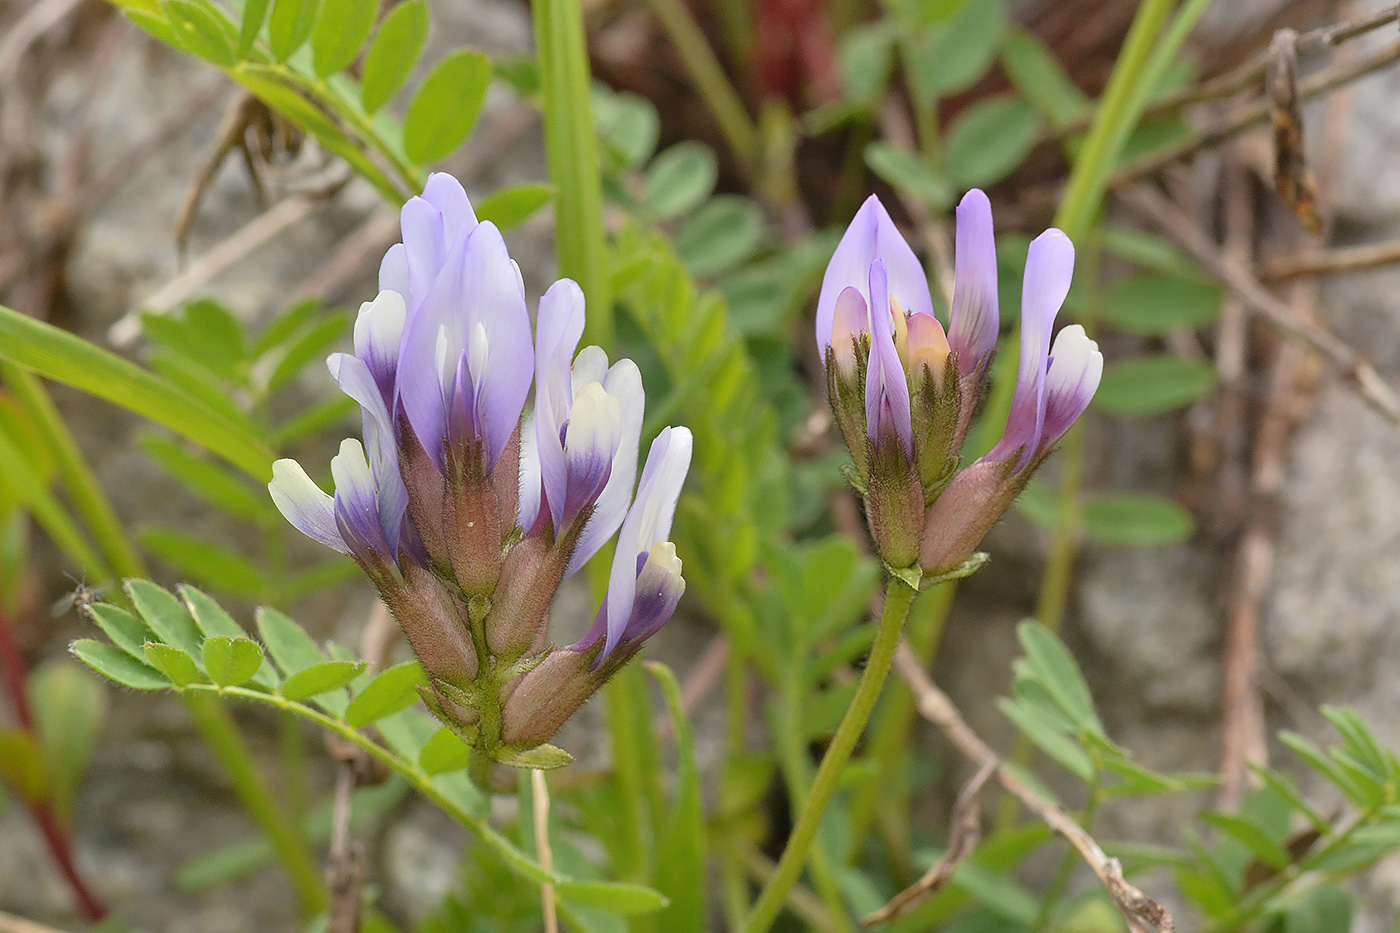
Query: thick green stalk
[1119,109]
[571,145]
[216,725]
[88,499]
[895,717]
[710,80]
[898,596]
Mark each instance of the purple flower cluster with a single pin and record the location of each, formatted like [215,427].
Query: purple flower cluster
[466,514]
[904,391]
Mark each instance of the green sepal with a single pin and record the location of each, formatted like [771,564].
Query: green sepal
[544,757]
[909,576]
[966,569]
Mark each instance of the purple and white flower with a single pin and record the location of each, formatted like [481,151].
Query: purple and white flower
[465,518]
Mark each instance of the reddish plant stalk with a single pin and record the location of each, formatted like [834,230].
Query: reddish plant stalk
[56,836]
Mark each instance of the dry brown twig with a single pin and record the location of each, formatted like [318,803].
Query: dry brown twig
[1254,114]
[1248,73]
[963,836]
[1142,913]
[1349,364]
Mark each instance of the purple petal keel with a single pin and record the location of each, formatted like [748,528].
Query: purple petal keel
[886,387]
[648,522]
[623,383]
[356,505]
[1076,365]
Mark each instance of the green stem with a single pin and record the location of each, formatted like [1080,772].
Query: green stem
[88,499]
[889,736]
[898,596]
[571,145]
[710,80]
[792,756]
[216,725]
[1116,115]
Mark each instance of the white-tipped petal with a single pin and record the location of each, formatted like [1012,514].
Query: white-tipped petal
[591,365]
[378,333]
[1076,366]
[624,383]
[304,505]
[648,521]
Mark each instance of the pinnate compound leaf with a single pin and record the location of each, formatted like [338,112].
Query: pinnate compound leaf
[287,642]
[254,14]
[1040,78]
[290,27]
[217,567]
[341,28]
[1152,303]
[1127,519]
[949,57]
[988,140]
[56,354]
[720,234]
[320,678]
[679,179]
[393,52]
[1153,384]
[445,108]
[166,617]
[511,207]
[1042,731]
[1253,838]
[212,482]
[613,896]
[173,662]
[393,690]
[126,631]
[908,173]
[231,661]
[118,665]
[1054,667]
[202,30]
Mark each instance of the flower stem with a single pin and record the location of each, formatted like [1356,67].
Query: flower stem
[898,596]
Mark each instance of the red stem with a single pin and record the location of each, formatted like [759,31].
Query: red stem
[56,835]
